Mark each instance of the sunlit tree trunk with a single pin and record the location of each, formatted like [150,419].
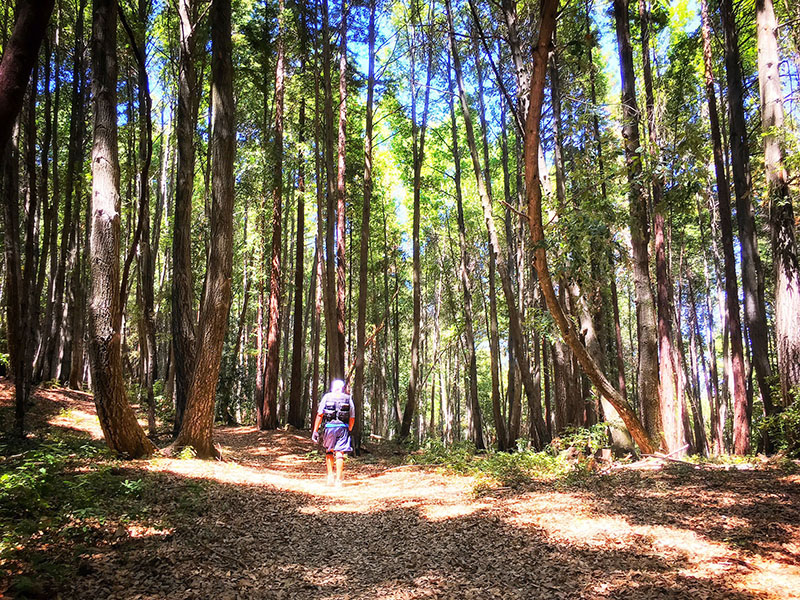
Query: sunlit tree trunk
[514,321]
[198,423]
[269,410]
[122,431]
[782,220]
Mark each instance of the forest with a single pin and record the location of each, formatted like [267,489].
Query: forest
[550,246]
[499,222]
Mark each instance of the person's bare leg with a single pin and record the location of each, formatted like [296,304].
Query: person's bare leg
[339,467]
[329,466]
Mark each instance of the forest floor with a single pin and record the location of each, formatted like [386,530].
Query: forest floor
[263,524]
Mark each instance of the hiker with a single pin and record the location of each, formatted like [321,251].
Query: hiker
[337,412]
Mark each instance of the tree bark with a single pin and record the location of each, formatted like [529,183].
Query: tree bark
[198,424]
[121,429]
[418,158]
[269,411]
[183,316]
[361,323]
[640,235]
[754,313]
[782,220]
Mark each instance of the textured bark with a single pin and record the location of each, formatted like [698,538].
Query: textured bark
[122,431]
[752,277]
[363,258]
[198,422]
[418,157]
[269,410]
[640,234]
[734,326]
[183,316]
[532,185]
[671,400]
[782,220]
[502,270]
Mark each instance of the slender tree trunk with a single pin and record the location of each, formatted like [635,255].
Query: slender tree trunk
[514,321]
[640,235]
[752,276]
[782,220]
[269,410]
[361,324]
[418,157]
[198,423]
[183,316]
[121,429]
[341,198]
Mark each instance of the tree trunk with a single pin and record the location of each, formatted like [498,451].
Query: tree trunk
[532,185]
[198,424]
[269,410]
[121,429]
[183,316]
[756,326]
[418,154]
[361,324]
[782,221]
[640,236]
[341,199]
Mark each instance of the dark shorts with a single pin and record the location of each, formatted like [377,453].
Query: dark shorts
[336,438]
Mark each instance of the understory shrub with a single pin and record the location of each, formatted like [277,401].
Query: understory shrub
[783,429]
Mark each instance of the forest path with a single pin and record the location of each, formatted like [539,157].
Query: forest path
[263,524]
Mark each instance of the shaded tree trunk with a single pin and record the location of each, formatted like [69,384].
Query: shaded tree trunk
[640,234]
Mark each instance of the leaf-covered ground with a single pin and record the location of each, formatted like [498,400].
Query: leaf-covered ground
[264,525]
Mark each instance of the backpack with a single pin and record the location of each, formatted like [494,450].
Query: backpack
[337,408]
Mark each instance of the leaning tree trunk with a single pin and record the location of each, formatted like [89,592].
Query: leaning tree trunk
[532,184]
[502,270]
[269,410]
[121,429]
[752,278]
[782,223]
[198,422]
[645,307]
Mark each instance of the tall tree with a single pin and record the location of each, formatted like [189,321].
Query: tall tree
[737,383]
[196,430]
[183,315]
[781,213]
[19,58]
[752,277]
[268,413]
[640,232]
[122,431]
[363,259]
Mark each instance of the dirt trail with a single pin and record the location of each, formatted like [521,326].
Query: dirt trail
[264,525]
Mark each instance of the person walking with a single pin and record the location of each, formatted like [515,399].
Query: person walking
[337,412]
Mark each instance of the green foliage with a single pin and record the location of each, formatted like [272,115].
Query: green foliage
[186,453]
[590,439]
[784,429]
